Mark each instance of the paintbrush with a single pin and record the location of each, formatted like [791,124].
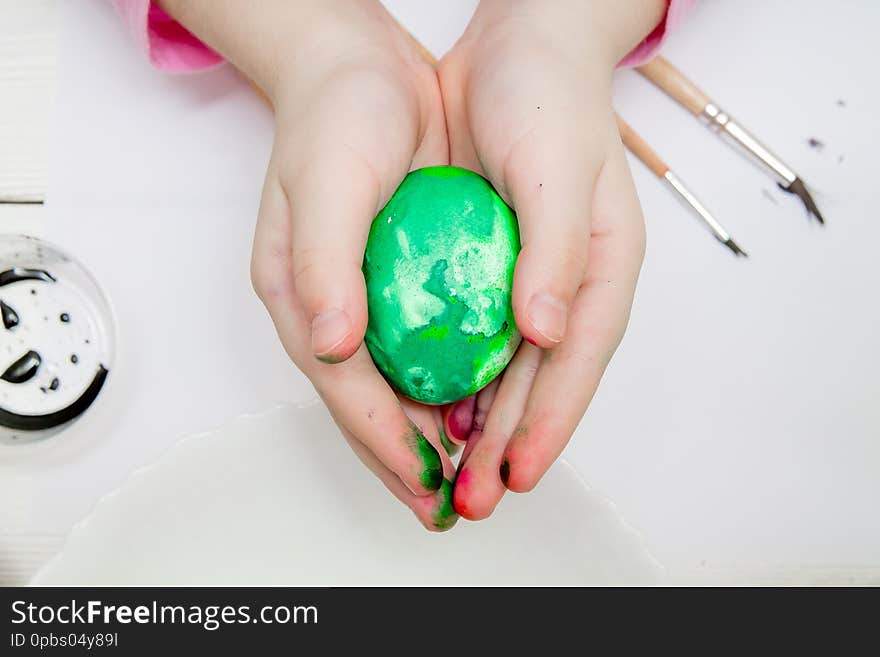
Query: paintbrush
[659,168]
[673,82]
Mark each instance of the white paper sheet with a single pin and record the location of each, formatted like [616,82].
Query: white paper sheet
[738,425]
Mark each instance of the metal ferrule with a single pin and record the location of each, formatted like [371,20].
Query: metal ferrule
[693,202]
[719,122]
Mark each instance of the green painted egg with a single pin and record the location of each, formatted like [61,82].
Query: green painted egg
[439,272]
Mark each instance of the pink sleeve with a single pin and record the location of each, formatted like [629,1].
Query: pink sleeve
[643,52]
[168,44]
[172,48]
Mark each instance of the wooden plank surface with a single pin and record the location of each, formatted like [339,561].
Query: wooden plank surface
[27,73]
[28,31]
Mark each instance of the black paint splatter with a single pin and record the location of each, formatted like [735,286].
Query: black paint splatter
[21,274]
[74,359]
[20,422]
[64,317]
[23,369]
[55,383]
[10,317]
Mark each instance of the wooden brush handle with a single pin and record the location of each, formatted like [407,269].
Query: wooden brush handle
[639,147]
[675,84]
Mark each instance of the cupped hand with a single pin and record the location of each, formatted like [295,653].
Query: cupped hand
[527,98]
[356,109]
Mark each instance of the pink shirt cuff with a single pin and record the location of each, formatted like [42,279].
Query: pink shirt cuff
[172,48]
[168,44]
[650,46]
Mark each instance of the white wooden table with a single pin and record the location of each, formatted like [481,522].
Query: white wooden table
[27,75]
[782,491]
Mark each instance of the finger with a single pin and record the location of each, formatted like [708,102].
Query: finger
[552,195]
[569,375]
[481,409]
[271,272]
[361,400]
[458,419]
[435,511]
[451,448]
[448,444]
[333,201]
[357,396]
[427,419]
[479,487]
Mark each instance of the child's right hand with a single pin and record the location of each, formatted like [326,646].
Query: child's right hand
[356,109]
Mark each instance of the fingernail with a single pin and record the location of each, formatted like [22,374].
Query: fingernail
[504,471]
[460,420]
[548,315]
[431,476]
[329,330]
[444,515]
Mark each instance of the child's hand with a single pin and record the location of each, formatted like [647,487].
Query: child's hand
[356,108]
[527,97]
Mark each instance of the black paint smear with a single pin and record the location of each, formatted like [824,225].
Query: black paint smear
[23,369]
[816,143]
[39,422]
[17,274]
[10,317]
[55,383]
[64,317]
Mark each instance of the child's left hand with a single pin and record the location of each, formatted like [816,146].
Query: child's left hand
[527,97]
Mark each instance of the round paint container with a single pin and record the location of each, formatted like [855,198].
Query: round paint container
[56,339]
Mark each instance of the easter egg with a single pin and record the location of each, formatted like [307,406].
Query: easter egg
[438,268]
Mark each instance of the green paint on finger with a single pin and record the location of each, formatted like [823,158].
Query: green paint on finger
[450,447]
[444,515]
[431,476]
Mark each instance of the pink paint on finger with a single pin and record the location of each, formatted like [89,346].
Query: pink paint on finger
[460,418]
[461,491]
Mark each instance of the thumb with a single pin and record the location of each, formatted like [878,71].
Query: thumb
[552,195]
[332,205]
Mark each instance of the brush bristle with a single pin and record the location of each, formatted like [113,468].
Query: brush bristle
[733,246]
[799,189]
